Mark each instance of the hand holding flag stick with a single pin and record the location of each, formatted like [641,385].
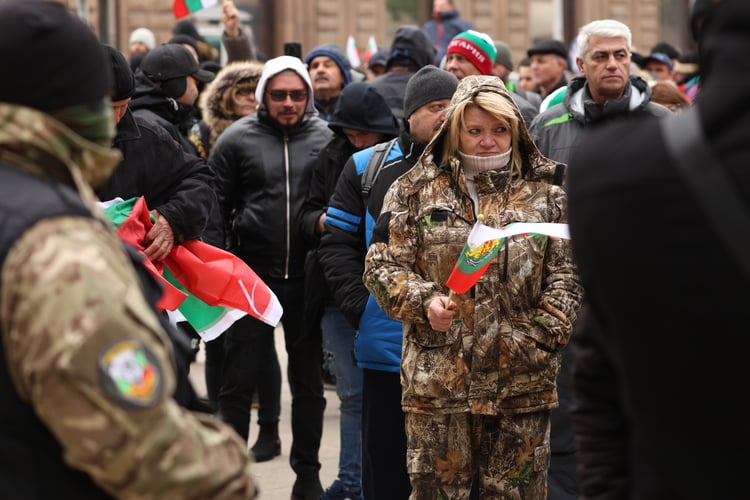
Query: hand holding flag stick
[440,313]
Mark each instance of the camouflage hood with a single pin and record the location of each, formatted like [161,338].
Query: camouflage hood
[535,166]
[216,100]
[39,144]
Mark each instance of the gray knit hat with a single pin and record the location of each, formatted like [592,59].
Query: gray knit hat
[428,84]
[504,55]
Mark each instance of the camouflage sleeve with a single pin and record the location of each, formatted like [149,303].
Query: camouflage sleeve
[87,352]
[390,265]
[562,293]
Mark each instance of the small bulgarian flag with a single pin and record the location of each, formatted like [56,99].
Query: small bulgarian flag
[372,47]
[352,52]
[182,8]
[483,244]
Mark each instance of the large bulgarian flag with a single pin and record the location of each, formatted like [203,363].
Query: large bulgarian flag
[483,244]
[182,8]
[209,287]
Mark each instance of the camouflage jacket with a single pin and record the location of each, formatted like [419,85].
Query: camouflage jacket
[85,349]
[502,352]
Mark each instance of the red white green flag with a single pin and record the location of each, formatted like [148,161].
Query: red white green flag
[182,8]
[352,52]
[483,244]
[372,47]
[209,286]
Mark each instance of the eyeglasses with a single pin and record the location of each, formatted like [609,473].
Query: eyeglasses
[281,95]
[244,91]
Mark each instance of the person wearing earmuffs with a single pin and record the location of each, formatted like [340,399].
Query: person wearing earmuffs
[167,89]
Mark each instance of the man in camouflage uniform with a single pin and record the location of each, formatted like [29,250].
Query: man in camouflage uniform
[86,370]
[478,369]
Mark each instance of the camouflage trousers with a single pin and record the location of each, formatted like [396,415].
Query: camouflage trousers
[509,454]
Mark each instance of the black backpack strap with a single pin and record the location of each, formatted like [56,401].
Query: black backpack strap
[374,164]
[685,141]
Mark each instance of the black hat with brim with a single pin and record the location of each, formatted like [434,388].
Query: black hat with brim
[171,60]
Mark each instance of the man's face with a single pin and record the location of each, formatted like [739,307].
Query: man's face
[360,139]
[286,98]
[547,69]
[118,109]
[138,48]
[526,80]
[441,6]
[659,70]
[326,77]
[606,67]
[426,120]
[460,66]
[499,70]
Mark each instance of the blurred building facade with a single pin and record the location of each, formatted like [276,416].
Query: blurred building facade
[312,22]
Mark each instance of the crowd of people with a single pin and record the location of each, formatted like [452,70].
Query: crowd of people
[352,193]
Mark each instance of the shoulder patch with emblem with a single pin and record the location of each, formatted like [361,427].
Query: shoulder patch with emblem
[131,374]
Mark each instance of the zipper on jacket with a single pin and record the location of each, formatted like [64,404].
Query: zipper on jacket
[288,207]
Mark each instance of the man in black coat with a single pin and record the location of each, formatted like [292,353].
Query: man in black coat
[176,185]
[658,363]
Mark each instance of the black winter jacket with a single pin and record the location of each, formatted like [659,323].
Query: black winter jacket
[176,183]
[176,118]
[262,177]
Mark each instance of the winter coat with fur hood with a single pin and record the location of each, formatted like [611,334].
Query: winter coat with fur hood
[216,102]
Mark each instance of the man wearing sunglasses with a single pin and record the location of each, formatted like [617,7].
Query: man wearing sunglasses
[263,164]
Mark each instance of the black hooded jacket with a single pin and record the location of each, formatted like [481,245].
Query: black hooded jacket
[411,50]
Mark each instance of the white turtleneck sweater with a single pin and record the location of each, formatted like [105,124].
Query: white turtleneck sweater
[474,165]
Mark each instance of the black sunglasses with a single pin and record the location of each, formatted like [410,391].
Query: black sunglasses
[281,95]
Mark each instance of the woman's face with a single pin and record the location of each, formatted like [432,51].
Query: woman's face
[482,134]
[244,99]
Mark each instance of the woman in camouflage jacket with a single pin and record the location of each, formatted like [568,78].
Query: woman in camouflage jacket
[478,369]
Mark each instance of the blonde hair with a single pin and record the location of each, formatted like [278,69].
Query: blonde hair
[498,106]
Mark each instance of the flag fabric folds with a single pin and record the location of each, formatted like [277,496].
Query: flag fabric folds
[483,244]
[182,8]
[352,53]
[197,274]
[372,47]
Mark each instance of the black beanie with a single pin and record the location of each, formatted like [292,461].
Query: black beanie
[123,81]
[361,107]
[51,59]
[428,84]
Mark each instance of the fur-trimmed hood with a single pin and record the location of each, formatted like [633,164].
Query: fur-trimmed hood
[215,101]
